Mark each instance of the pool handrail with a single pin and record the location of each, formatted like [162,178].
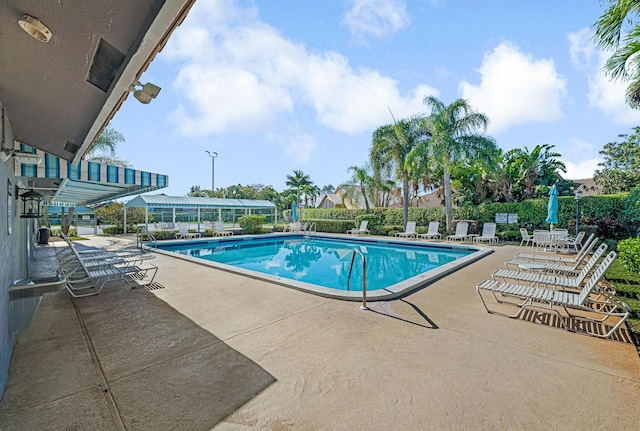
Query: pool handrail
[364,276]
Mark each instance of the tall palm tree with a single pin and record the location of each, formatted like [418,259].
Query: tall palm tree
[363,180]
[297,180]
[453,137]
[624,63]
[390,149]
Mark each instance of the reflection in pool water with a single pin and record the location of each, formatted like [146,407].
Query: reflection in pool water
[323,261]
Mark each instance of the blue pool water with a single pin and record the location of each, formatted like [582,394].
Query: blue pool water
[324,261]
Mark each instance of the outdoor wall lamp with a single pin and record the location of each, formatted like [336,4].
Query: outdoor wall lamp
[31,201]
[148,91]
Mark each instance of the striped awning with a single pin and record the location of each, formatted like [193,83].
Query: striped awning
[84,183]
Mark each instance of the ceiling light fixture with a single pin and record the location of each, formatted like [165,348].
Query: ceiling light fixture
[20,156]
[146,93]
[35,28]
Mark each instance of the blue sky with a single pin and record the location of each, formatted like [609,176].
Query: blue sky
[274,86]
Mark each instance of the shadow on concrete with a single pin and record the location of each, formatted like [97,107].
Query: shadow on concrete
[385,308]
[123,359]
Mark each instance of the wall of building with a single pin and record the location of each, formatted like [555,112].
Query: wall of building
[14,258]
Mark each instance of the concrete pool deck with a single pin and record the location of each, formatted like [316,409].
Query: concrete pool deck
[209,349]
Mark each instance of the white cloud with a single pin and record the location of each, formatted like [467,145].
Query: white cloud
[580,170]
[243,75]
[515,89]
[606,95]
[376,18]
[300,148]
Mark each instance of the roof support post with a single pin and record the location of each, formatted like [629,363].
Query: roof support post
[198,219]
[125,219]
[146,218]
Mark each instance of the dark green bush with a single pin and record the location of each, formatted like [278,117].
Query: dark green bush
[630,254]
[72,232]
[251,223]
[163,234]
[332,226]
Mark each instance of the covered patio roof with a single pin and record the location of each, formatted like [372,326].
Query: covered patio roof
[163,201]
[85,183]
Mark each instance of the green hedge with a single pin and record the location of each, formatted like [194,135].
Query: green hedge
[630,254]
[329,226]
[251,223]
[599,214]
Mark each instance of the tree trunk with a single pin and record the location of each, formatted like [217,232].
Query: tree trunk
[66,223]
[405,197]
[364,195]
[447,196]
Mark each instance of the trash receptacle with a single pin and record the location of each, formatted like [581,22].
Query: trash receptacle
[44,235]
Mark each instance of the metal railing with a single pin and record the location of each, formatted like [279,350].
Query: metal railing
[140,237]
[364,276]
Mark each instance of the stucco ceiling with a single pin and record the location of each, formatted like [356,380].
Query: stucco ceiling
[45,87]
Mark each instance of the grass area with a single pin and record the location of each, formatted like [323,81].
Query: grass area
[627,286]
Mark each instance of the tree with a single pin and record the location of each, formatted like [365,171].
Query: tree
[390,149]
[620,170]
[363,180]
[453,137]
[114,214]
[297,180]
[624,64]
[103,149]
[530,170]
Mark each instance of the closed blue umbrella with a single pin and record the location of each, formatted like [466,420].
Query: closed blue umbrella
[552,206]
[294,216]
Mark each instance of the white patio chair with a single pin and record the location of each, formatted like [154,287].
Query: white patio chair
[551,299]
[575,243]
[409,232]
[526,238]
[432,232]
[541,238]
[462,227]
[488,234]
[362,230]
[183,232]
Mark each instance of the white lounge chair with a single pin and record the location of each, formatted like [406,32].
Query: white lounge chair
[488,234]
[526,238]
[586,248]
[295,226]
[552,279]
[409,232]
[218,228]
[569,267]
[183,232]
[432,232]
[362,230]
[462,227]
[552,299]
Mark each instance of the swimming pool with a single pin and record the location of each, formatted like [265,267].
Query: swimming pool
[321,263]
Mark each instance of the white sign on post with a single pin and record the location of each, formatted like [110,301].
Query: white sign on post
[501,218]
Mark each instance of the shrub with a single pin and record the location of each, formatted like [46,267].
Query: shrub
[251,223]
[374,225]
[72,232]
[630,254]
[329,226]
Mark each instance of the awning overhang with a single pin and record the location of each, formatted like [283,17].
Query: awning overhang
[63,183]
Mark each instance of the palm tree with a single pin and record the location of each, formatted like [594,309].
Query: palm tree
[103,149]
[297,180]
[363,180]
[624,63]
[390,149]
[453,138]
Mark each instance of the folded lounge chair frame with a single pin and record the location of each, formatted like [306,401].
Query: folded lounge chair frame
[586,248]
[555,299]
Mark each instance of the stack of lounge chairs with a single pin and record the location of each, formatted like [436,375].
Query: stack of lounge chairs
[87,272]
[554,283]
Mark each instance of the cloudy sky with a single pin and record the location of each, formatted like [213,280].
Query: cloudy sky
[273,86]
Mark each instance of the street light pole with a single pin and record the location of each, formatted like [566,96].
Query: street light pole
[213,156]
[578,195]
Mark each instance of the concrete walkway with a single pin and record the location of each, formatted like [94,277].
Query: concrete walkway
[212,350]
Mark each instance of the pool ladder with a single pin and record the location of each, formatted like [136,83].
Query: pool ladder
[364,276]
[140,237]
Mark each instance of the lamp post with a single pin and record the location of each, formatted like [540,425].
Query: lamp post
[213,156]
[578,195]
